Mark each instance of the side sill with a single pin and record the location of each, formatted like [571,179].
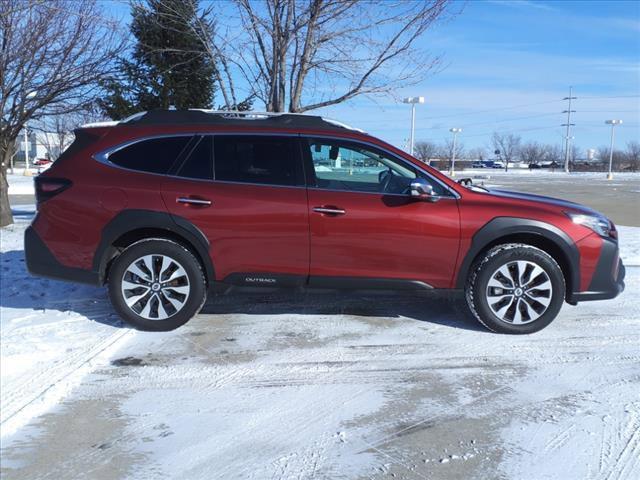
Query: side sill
[272,280]
[363,283]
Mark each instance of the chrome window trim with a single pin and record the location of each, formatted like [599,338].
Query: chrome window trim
[103,158]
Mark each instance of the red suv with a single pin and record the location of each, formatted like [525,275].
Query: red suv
[165,205]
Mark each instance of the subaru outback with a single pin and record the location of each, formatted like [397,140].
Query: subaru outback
[166,205]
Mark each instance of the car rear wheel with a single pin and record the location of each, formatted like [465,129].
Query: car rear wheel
[157,285]
[515,288]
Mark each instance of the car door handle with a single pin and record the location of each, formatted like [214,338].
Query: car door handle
[196,201]
[329,210]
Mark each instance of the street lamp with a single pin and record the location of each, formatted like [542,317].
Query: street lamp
[455,132]
[412,101]
[613,124]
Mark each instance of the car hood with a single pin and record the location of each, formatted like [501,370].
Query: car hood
[556,202]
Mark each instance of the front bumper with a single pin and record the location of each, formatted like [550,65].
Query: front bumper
[41,262]
[608,278]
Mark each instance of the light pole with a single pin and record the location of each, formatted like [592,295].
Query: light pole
[28,96]
[412,101]
[455,132]
[613,124]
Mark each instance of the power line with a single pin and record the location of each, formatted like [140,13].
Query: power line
[477,112]
[612,96]
[610,111]
[512,131]
[511,119]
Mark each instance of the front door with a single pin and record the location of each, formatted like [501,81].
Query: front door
[365,225]
[246,194]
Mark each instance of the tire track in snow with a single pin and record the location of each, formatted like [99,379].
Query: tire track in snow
[47,387]
[628,455]
[557,441]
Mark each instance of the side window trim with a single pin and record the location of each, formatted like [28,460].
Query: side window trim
[311,177]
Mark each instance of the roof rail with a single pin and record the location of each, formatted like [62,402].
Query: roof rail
[253,115]
[195,115]
[113,123]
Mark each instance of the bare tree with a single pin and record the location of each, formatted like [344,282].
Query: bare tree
[618,160]
[508,144]
[532,152]
[633,155]
[425,151]
[554,153]
[51,56]
[300,55]
[55,132]
[477,153]
[446,151]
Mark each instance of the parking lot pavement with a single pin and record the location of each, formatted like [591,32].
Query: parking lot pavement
[352,386]
[618,198]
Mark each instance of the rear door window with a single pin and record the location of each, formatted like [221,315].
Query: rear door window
[155,155]
[268,160]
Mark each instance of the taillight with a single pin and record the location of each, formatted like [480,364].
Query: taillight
[47,187]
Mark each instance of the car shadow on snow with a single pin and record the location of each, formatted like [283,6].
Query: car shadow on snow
[443,308]
[36,295]
[20,290]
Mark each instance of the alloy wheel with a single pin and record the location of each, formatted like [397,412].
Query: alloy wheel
[519,292]
[155,287]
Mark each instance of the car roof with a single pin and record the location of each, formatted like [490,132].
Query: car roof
[228,118]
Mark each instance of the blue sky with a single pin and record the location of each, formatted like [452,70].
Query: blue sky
[504,54]
[507,66]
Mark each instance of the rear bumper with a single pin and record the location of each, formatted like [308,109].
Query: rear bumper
[40,261]
[608,278]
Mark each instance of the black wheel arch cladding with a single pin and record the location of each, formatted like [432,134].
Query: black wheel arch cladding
[131,220]
[500,227]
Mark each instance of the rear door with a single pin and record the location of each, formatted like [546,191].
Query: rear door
[246,194]
[366,228]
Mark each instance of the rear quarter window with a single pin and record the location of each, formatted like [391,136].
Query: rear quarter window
[155,155]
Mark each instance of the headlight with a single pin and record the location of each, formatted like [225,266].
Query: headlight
[599,224]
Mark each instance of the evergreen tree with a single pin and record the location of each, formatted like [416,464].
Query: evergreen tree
[168,66]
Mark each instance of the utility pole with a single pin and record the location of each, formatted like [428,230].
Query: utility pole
[568,125]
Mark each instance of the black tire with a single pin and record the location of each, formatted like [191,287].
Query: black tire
[193,280]
[478,292]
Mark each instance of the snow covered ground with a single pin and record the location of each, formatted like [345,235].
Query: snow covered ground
[313,386]
[51,332]
[20,184]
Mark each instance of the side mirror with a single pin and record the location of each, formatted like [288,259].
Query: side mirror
[422,190]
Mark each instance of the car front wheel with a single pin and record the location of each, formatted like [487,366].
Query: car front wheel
[515,288]
[156,285]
